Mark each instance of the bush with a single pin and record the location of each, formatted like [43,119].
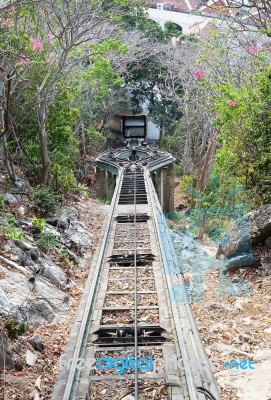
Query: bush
[9,227]
[186,185]
[43,199]
[15,328]
[47,241]
[12,232]
[2,202]
[95,140]
[178,168]
[39,223]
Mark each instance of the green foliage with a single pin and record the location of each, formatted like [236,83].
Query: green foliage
[9,227]
[69,264]
[14,328]
[12,232]
[2,202]
[146,80]
[47,241]
[11,219]
[186,185]
[105,201]
[178,168]
[139,21]
[172,30]
[39,223]
[43,199]
[245,133]
[95,140]
[214,221]
[216,208]
[64,148]
[82,190]
[174,138]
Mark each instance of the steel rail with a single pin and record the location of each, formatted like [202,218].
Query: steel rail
[201,357]
[158,220]
[70,387]
[206,375]
[154,203]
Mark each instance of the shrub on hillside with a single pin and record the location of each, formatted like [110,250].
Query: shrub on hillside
[43,199]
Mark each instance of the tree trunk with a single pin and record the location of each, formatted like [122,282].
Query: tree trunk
[45,160]
[5,124]
[187,162]
[207,165]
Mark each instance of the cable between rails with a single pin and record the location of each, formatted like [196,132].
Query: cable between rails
[135,279]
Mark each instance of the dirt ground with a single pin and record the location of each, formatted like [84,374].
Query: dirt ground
[236,327]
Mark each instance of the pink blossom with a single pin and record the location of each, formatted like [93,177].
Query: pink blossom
[199,74]
[41,11]
[231,103]
[216,116]
[37,45]
[10,9]
[253,49]
[5,22]
[24,61]
[50,37]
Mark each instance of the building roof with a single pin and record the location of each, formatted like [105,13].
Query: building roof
[212,7]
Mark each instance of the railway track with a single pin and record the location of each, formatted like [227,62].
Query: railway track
[134,336]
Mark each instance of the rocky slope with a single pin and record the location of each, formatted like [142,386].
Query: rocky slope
[39,292]
[233,308]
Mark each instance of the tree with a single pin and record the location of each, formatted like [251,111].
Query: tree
[45,43]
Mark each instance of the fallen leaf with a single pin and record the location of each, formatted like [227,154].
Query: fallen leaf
[38,383]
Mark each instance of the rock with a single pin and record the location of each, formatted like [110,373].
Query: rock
[30,251]
[21,182]
[64,217]
[252,229]
[29,256]
[10,198]
[31,358]
[80,239]
[52,272]
[244,338]
[41,310]
[36,343]
[58,222]
[245,347]
[16,347]
[218,327]
[5,354]
[45,302]
[218,307]
[5,305]
[246,321]
[21,210]
[240,302]
[243,260]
